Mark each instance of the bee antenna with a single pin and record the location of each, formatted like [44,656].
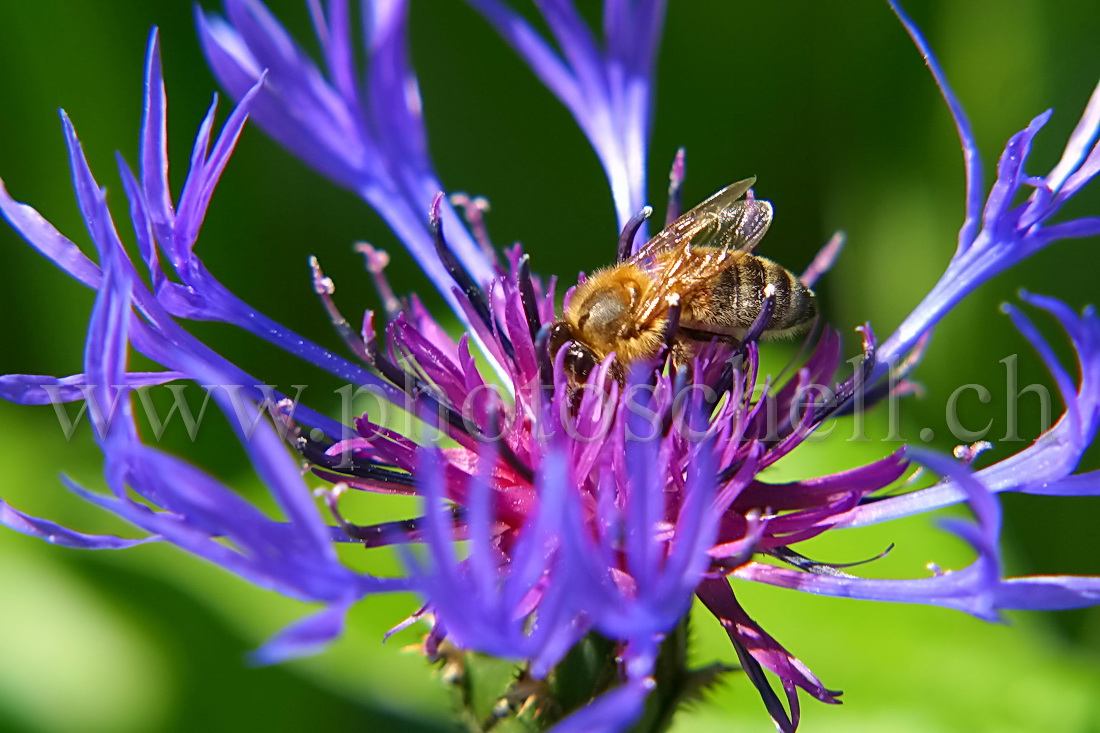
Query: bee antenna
[626,239]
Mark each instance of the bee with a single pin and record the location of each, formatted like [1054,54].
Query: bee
[702,265]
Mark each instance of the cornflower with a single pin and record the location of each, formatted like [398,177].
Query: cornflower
[591,514]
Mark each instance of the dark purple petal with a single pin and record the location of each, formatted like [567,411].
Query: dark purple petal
[718,597]
[813,492]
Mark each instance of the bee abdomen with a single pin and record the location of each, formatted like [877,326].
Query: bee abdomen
[794,302]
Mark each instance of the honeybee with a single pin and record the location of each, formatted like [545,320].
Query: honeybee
[703,263]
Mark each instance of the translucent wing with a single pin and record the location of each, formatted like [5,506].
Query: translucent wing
[690,252]
[725,221]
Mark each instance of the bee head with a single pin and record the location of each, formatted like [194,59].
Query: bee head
[579,359]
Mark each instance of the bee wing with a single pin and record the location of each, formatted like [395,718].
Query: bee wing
[678,275]
[689,253]
[725,221]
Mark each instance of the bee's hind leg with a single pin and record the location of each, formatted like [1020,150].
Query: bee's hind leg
[681,353]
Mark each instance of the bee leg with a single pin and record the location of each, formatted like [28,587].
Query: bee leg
[755,331]
[671,329]
[682,354]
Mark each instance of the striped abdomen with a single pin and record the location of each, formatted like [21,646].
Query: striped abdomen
[737,295]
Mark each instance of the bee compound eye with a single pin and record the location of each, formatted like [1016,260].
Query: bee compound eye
[559,336]
[580,360]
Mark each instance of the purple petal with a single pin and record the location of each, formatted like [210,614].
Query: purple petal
[1078,146]
[971,156]
[1048,592]
[960,589]
[235,66]
[1075,229]
[203,177]
[608,90]
[304,637]
[376,151]
[1008,236]
[612,711]
[105,352]
[41,235]
[35,389]
[1043,465]
[57,535]
[154,143]
[1082,484]
[1010,171]
[143,224]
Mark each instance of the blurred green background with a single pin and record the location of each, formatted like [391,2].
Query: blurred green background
[827,103]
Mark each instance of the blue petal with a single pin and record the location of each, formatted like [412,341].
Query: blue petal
[37,389]
[56,534]
[608,90]
[42,235]
[972,158]
[1048,592]
[304,637]
[613,711]
[1041,467]
[376,149]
